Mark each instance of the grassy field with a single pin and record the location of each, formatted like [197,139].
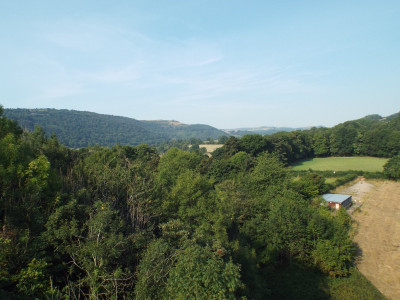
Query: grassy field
[369,164]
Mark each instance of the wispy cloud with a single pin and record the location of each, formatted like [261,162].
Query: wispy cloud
[77,34]
[99,59]
[121,75]
[62,90]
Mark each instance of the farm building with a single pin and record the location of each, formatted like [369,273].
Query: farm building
[337,200]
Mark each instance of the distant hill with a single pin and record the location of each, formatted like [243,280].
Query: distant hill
[177,130]
[78,129]
[261,130]
[372,135]
[391,117]
[371,122]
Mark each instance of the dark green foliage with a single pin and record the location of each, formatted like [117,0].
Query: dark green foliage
[310,185]
[341,140]
[268,175]
[392,168]
[230,148]
[178,131]
[320,143]
[295,281]
[77,129]
[201,273]
[8,126]
[253,144]
[123,222]
[354,287]
[368,136]
[339,174]
[177,267]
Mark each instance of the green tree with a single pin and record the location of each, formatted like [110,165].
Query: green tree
[333,258]
[321,144]
[286,226]
[202,273]
[188,197]
[392,168]
[268,173]
[33,281]
[253,144]
[158,260]
[173,163]
[97,250]
[231,147]
[177,267]
[342,140]
[310,185]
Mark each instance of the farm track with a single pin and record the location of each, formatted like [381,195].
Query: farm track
[378,233]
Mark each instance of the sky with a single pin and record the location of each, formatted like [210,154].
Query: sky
[225,63]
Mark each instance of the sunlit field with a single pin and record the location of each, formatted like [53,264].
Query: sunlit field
[369,164]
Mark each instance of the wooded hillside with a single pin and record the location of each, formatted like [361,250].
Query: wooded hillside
[77,129]
[369,136]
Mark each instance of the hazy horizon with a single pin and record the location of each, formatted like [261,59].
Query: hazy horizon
[228,64]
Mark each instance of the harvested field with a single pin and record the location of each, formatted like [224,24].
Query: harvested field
[210,148]
[378,232]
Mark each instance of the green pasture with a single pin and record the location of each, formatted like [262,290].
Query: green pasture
[368,164]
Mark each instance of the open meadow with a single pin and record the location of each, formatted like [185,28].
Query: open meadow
[368,164]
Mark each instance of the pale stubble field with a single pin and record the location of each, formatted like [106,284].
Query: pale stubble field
[377,232]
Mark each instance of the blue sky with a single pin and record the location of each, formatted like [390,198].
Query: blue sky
[225,63]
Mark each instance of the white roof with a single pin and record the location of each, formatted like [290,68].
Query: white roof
[337,198]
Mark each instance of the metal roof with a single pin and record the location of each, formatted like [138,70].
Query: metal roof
[337,198]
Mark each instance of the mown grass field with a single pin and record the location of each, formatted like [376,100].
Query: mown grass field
[368,164]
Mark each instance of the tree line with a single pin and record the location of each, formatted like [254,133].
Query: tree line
[369,136]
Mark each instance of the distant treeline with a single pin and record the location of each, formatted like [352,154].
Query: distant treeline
[369,136]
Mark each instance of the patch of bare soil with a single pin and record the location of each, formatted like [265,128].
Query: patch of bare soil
[378,233]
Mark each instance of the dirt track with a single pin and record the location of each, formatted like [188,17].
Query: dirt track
[378,233]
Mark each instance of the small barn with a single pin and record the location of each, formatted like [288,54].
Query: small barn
[337,200]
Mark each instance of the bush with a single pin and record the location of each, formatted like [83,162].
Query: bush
[392,168]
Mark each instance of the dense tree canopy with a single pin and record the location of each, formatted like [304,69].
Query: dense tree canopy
[125,222]
[78,129]
[392,168]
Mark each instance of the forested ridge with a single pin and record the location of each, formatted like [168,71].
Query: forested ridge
[123,222]
[77,129]
[369,136]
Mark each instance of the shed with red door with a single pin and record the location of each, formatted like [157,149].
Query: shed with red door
[338,200]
